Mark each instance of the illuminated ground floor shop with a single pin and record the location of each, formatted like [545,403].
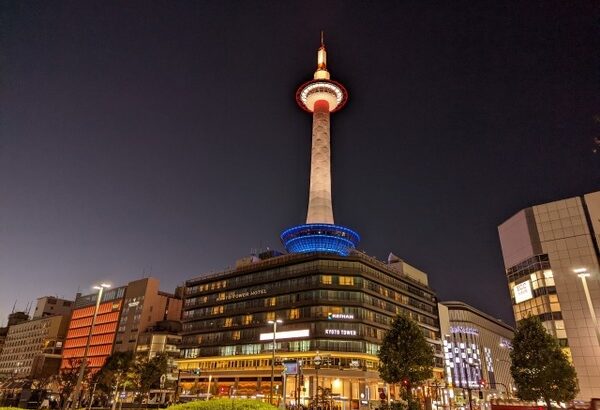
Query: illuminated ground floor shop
[341,381]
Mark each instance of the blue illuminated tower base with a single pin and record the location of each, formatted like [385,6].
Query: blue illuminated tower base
[326,238]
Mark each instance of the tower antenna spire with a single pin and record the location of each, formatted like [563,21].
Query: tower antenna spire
[322,42]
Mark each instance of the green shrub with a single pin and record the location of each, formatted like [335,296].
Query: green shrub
[223,404]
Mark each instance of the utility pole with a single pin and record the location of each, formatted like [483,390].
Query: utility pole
[317,362]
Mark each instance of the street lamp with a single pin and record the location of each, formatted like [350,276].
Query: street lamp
[583,275]
[317,362]
[274,323]
[77,390]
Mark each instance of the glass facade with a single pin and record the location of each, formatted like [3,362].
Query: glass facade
[533,292]
[345,303]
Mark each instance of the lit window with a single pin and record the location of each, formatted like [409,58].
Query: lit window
[346,280]
[235,335]
[326,279]
[246,320]
[294,314]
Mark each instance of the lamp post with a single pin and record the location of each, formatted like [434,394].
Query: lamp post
[317,362]
[583,275]
[274,323]
[77,390]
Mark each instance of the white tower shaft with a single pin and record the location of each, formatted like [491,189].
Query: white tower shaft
[320,209]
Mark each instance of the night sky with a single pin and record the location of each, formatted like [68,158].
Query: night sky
[162,138]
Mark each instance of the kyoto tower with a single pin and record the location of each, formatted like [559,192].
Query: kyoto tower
[320,96]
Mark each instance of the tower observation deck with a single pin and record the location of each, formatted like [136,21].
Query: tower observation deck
[320,96]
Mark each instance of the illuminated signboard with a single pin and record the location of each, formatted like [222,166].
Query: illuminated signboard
[291,367]
[464,330]
[523,292]
[286,335]
[245,294]
[340,332]
[338,316]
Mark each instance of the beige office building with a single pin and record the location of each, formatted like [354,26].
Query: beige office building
[551,255]
[33,348]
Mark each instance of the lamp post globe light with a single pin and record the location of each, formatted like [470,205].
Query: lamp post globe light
[77,391]
[274,323]
[317,361]
[583,275]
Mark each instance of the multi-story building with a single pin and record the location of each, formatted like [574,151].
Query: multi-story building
[551,255]
[105,328]
[145,305]
[164,337]
[476,352]
[50,305]
[334,306]
[14,318]
[32,348]
[123,314]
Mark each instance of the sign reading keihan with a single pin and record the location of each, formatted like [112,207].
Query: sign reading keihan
[338,316]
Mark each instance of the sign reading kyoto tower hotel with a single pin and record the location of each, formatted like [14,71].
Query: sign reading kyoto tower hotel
[320,96]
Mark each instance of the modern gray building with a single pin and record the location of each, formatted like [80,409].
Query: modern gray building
[551,255]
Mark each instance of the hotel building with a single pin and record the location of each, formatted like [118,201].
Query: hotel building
[331,306]
[551,255]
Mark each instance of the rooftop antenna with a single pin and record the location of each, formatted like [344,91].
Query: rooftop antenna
[322,42]
[14,306]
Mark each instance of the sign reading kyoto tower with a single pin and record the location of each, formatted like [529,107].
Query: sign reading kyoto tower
[321,96]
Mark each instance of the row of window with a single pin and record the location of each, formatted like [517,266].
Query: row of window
[346,314]
[336,329]
[102,350]
[297,284]
[306,297]
[356,346]
[322,265]
[109,295]
[24,343]
[327,361]
[528,266]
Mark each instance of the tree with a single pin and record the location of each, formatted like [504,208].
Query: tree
[540,368]
[67,379]
[148,372]
[405,356]
[114,373]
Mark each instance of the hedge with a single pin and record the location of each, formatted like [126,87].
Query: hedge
[223,404]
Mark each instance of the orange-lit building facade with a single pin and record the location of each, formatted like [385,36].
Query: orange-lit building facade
[105,328]
[123,315]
